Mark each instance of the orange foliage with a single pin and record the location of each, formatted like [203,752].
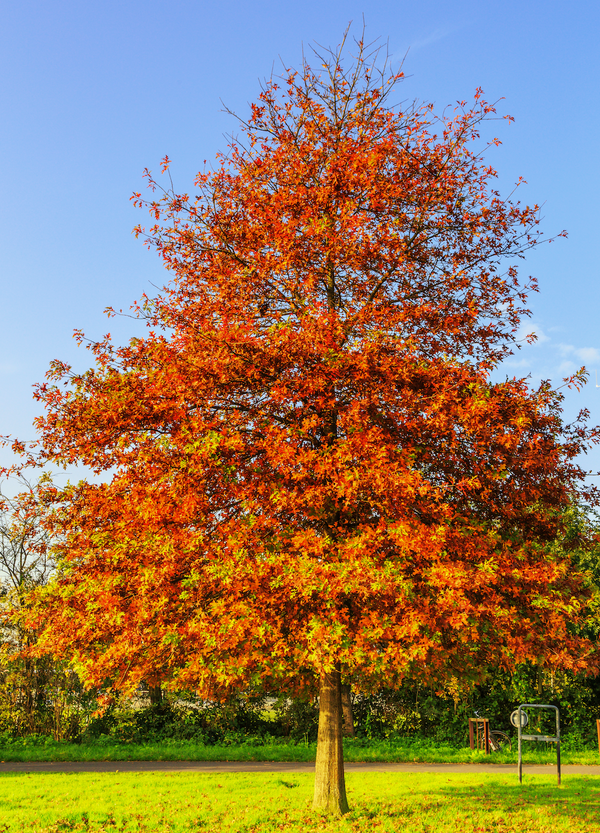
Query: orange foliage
[306,460]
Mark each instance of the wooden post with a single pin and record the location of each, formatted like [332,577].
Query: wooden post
[486,736]
[479,734]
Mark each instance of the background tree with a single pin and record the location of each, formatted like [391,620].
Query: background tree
[308,467]
[38,694]
[24,544]
[24,564]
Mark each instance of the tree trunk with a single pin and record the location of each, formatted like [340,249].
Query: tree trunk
[330,786]
[155,692]
[348,717]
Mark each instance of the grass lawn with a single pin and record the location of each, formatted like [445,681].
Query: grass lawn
[232,803]
[399,750]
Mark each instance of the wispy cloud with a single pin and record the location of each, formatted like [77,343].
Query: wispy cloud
[528,329]
[517,363]
[588,355]
[567,368]
[549,358]
[434,36]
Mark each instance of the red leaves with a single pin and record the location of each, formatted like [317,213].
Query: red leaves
[310,463]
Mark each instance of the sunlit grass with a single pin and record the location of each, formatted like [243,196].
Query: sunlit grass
[252,803]
[397,750]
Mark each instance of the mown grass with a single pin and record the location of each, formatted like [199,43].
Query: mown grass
[253,803]
[400,750]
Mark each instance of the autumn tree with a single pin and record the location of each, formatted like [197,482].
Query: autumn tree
[310,477]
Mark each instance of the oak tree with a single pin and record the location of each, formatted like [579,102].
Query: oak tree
[310,477]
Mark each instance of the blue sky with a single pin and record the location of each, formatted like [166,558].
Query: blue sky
[93,93]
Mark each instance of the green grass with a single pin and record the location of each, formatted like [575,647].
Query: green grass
[253,803]
[398,750]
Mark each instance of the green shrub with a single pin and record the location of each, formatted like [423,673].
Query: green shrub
[208,723]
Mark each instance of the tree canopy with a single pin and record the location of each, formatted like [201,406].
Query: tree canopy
[308,470]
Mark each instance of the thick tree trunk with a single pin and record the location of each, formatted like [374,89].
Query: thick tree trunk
[330,786]
[348,717]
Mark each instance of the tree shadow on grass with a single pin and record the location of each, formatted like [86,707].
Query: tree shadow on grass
[504,804]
